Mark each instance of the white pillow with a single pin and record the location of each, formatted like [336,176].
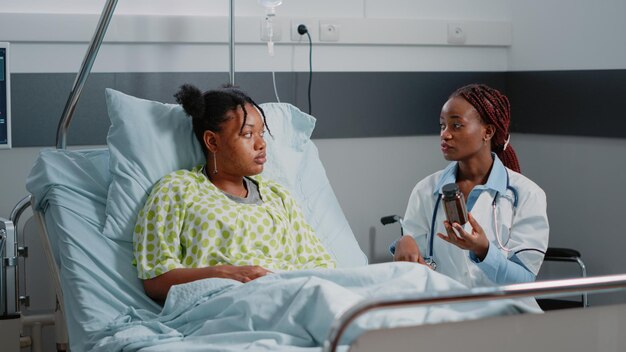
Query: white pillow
[147,140]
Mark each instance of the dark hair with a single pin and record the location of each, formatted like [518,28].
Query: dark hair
[209,110]
[494,108]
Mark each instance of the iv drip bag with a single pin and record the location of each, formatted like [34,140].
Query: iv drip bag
[270,5]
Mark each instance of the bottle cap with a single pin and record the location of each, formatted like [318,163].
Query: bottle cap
[450,190]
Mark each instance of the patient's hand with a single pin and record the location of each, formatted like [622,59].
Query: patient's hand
[241,273]
[158,287]
[408,251]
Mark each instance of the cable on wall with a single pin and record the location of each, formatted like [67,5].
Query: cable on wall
[303,30]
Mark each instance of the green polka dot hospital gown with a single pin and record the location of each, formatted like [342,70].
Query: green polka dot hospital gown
[187,222]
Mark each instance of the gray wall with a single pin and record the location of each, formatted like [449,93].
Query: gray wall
[584,181]
[346,104]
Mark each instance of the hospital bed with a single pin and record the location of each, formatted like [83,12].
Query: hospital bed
[85,201]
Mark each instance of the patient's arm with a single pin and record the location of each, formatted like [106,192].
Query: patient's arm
[158,287]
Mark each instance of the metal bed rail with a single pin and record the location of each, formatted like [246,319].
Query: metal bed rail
[10,251]
[83,74]
[92,53]
[16,214]
[543,288]
[7,267]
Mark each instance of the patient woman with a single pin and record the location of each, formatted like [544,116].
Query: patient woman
[507,233]
[220,219]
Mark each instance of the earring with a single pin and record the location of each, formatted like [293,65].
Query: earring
[214,163]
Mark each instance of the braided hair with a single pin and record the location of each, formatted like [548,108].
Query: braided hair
[209,110]
[494,108]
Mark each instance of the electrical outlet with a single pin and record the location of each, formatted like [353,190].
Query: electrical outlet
[456,33]
[310,25]
[329,32]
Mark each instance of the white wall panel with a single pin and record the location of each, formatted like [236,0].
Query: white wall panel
[45,40]
[184,7]
[481,10]
[304,8]
[568,35]
[342,8]
[62,28]
[28,58]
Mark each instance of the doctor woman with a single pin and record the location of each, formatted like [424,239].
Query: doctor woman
[505,239]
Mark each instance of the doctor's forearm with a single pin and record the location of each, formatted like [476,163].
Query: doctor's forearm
[501,270]
[513,273]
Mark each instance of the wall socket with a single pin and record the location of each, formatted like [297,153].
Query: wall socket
[329,32]
[456,33]
[310,25]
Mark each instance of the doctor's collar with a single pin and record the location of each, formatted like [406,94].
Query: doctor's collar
[497,180]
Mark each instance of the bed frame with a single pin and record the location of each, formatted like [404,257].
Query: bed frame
[546,329]
[588,329]
[599,328]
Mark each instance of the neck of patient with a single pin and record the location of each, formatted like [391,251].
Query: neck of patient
[231,184]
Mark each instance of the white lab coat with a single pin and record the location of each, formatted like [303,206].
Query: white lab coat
[528,229]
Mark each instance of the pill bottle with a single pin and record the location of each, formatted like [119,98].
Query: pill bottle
[454,204]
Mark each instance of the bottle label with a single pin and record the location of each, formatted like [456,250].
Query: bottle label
[455,212]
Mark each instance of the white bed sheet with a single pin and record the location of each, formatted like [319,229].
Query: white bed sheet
[290,311]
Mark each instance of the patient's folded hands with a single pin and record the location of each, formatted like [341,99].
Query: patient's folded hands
[158,287]
[244,273]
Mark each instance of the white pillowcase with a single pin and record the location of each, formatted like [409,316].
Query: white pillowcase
[147,140]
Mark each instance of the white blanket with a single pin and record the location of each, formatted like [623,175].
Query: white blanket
[289,311]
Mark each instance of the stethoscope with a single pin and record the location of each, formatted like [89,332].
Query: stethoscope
[430,258]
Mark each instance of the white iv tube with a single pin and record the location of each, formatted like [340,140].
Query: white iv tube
[270,13]
[269,29]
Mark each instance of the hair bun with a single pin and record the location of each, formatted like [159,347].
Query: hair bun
[191,99]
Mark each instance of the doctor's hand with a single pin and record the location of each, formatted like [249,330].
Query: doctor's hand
[408,251]
[476,241]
